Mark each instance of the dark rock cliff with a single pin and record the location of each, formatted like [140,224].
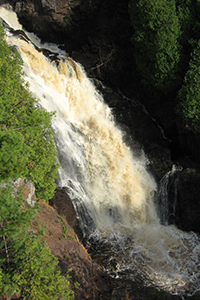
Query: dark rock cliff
[61,21]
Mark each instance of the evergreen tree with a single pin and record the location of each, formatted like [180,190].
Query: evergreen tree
[188,97]
[156,32]
[188,15]
[37,275]
[27,267]
[26,142]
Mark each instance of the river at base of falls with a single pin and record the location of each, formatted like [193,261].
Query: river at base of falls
[109,186]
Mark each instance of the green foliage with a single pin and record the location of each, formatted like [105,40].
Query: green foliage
[1,275]
[166,42]
[62,219]
[13,154]
[188,15]
[188,97]
[185,12]
[76,285]
[156,32]
[26,265]
[37,273]
[65,229]
[15,216]
[26,142]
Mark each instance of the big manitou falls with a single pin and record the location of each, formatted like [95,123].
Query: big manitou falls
[111,190]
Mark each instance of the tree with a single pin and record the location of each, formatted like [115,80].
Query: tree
[27,146]
[13,154]
[188,97]
[188,15]
[38,276]
[155,38]
[27,267]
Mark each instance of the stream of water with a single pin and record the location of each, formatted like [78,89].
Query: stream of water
[110,188]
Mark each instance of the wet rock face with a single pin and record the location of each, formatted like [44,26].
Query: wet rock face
[188,203]
[183,205]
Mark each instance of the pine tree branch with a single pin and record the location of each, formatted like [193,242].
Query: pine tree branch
[5,244]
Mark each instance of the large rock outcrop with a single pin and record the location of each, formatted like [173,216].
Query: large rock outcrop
[60,21]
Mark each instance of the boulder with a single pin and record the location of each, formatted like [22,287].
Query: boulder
[27,188]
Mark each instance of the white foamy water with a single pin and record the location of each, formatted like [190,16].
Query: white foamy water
[109,186]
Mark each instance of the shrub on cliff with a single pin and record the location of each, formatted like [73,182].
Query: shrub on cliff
[27,267]
[155,38]
[26,142]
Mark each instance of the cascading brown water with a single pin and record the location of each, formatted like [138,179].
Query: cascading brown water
[109,186]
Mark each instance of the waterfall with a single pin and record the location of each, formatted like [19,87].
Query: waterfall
[111,190]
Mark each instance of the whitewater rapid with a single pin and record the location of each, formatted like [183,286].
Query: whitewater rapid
[110,188]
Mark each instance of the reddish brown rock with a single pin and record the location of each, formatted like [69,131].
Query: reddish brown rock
[60,237]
